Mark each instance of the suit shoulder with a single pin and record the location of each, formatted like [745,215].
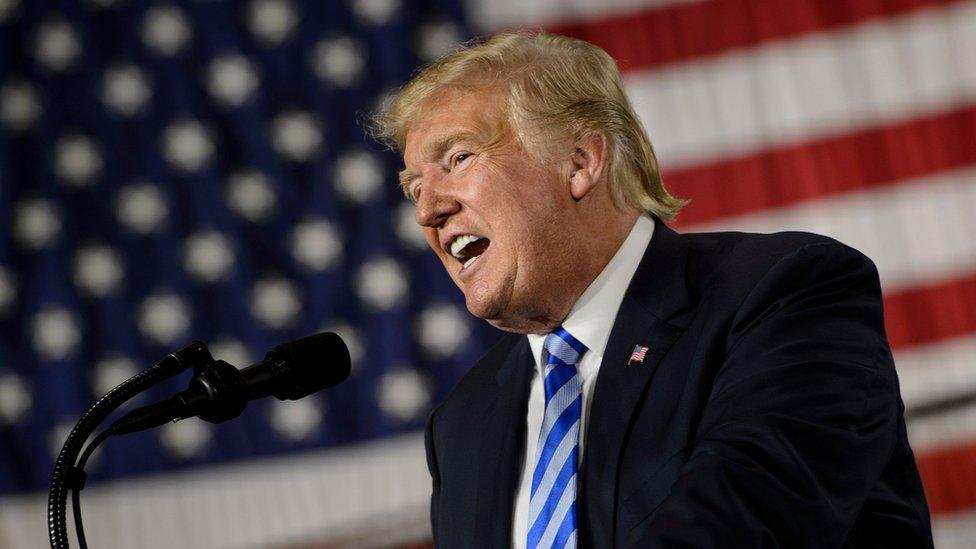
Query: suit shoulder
[749,256]
[476,384]
[732,264]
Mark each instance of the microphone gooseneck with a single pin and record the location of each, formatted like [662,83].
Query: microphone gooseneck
[66,475]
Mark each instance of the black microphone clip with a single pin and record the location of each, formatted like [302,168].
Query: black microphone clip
[220,389]
[215,393]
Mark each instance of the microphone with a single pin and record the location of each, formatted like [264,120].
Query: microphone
[218,391]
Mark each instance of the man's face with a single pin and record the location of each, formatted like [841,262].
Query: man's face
[500,220]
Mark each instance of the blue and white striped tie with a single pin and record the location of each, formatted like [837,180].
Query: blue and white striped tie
[552,504]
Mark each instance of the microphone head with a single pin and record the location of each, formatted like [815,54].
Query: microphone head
[314,363]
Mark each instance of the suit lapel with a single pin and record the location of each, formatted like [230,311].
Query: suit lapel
[655,295]
[502,435]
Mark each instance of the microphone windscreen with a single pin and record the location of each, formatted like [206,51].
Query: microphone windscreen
[316,362]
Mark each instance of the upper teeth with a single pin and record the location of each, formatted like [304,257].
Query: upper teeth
[462,241]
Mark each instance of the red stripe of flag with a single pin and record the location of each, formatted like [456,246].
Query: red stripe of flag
[658,36]
[948,475]
[931,313]
[864,159]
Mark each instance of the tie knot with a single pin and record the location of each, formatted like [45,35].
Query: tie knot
[563,347]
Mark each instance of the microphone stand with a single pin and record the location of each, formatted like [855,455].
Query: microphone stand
[69,473]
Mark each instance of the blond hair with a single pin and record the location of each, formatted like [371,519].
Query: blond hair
[557,87]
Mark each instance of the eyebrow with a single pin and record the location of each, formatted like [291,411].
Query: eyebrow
[406,176]
[433,150]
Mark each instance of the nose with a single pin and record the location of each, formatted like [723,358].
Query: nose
[435,204]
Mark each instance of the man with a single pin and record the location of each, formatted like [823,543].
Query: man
[710,390]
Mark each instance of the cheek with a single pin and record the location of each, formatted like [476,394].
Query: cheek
[533,223]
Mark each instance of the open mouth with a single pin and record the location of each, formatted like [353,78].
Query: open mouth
[467,248]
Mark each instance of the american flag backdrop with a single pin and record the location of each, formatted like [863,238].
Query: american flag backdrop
[197,169]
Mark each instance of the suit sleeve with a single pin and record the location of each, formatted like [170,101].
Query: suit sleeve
[434,474]
[802,416]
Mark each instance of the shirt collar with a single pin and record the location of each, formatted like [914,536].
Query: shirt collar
[591,318]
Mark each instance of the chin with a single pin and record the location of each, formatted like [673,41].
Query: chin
[522,325]
[491,312]
[509,321]
[493,305]
[481,309]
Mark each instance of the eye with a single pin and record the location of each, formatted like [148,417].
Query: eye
[415,192]
[459,157]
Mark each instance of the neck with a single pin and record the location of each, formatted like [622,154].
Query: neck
[609,233]
[588,257]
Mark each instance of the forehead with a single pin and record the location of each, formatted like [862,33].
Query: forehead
[455,114]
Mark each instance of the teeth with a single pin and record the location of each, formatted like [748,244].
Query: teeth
[470,261]
[462,241]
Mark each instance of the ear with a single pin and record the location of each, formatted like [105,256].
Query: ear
[590,162]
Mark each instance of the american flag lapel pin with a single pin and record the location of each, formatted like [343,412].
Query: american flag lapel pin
[640,351]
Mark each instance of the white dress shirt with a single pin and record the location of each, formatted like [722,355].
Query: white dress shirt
[589,321]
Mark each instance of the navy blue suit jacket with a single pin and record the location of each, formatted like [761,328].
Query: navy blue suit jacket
[765,414]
